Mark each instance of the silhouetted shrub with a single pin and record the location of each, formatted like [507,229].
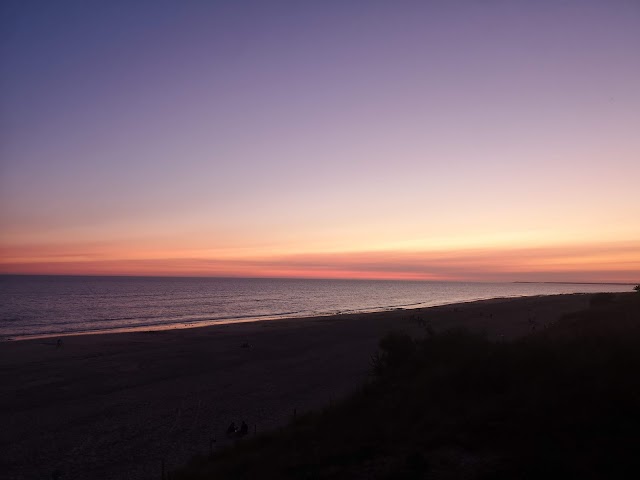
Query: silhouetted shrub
[396,351]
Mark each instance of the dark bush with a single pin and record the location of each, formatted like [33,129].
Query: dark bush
[397,350]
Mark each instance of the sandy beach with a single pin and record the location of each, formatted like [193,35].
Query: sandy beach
[120,406]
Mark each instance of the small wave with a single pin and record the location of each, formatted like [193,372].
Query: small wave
[12,319]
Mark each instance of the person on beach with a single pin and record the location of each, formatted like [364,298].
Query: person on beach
[232,428]
[244,429]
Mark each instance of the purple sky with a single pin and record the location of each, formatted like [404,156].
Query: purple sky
[154,131]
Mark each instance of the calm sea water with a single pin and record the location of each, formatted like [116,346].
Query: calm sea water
[56,305]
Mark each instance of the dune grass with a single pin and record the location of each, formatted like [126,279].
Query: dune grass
[562,402]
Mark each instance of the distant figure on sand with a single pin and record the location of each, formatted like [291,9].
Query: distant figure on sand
[232,428]
[59,343]
[244,429]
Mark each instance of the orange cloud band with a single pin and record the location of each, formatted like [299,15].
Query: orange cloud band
[593,263]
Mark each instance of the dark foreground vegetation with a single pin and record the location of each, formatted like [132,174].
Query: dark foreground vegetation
[564,401]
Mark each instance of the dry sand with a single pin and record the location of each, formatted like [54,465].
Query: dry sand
[118,406]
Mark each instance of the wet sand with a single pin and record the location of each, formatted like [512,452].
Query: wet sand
[119,406]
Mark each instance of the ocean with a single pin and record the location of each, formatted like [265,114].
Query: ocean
[32,306]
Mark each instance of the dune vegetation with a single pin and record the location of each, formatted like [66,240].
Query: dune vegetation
[564,401]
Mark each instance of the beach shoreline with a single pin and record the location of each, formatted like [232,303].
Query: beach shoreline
[256,319]
[238,320]
[118,405]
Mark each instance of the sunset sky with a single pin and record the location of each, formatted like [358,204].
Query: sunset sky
[441,140]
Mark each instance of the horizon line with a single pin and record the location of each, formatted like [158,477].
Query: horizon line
[233,277]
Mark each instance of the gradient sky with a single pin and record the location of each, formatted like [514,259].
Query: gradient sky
[453,140]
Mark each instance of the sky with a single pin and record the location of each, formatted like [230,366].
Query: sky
[479,140]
